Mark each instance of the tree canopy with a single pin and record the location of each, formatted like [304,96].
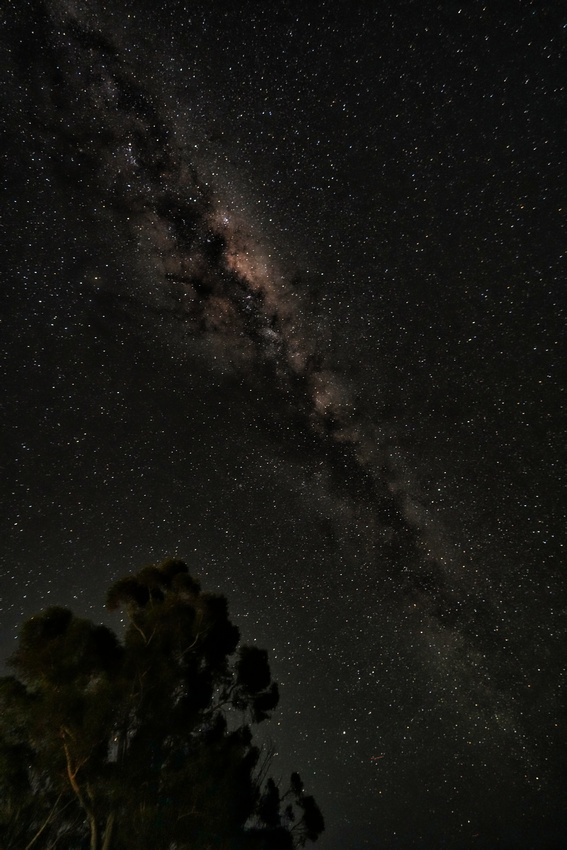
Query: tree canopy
[143,742]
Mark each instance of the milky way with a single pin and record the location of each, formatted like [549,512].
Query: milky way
[400,638]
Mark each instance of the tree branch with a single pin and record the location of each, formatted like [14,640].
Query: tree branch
[138,629]
[72,775]
[45,823]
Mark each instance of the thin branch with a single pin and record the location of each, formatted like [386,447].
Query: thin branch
[72,775]
[192,813]
[45,823]
[138,629]
[263,768]
[197,636]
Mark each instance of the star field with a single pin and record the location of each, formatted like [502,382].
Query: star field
[283,297]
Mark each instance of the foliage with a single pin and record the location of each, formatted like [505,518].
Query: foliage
[146,742]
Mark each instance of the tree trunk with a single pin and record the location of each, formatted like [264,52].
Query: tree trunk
[72,774]
[94,830]
[108,832]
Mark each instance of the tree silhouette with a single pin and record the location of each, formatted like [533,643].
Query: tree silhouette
[144,742]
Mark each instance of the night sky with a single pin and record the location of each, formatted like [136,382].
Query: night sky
[283,296]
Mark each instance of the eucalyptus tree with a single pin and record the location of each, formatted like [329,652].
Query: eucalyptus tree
[144,741]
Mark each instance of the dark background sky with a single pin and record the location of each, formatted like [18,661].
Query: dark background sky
[283,294]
